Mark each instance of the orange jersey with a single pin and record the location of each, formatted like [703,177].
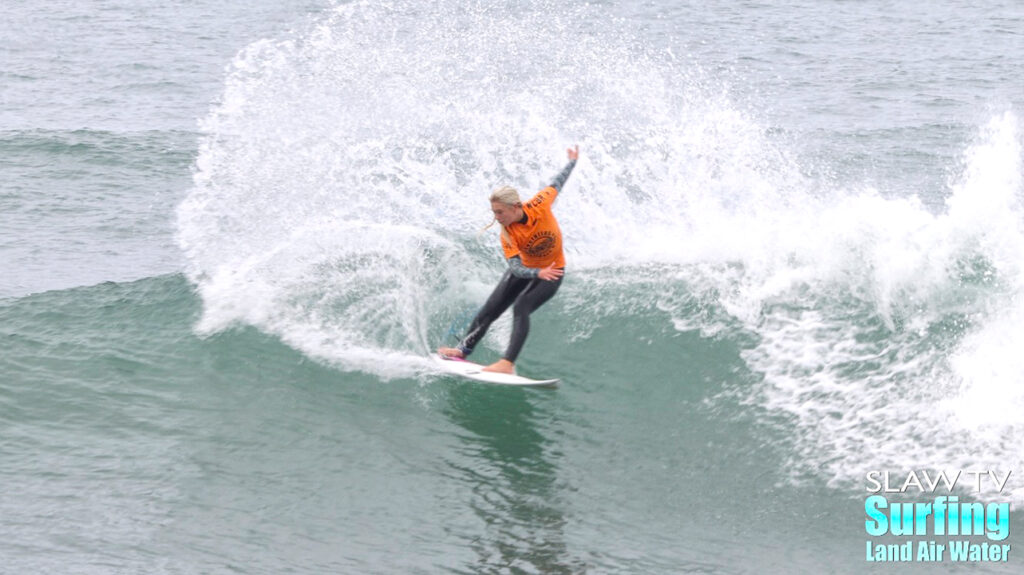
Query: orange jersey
[538,242]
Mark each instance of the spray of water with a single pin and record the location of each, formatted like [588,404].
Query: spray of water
[342,180]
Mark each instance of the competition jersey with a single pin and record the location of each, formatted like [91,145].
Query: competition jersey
[538,242]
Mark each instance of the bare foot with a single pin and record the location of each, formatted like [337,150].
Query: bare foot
[502,366]
[450,352]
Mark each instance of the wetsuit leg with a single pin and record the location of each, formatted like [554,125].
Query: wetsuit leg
[503,296]
[531,298]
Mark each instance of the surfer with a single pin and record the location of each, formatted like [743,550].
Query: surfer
[532,244]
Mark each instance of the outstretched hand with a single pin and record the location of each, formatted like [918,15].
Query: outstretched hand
[550,273]
[574,152]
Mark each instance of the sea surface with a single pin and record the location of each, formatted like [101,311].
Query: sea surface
[231,234]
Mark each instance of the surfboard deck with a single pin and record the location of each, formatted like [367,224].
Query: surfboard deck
[469,370]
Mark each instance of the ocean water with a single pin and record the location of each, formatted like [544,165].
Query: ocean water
[231,235]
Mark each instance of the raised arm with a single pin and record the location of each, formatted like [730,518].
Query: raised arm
[559,181]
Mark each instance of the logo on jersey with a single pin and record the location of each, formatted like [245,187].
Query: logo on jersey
[539,199]
[540,245]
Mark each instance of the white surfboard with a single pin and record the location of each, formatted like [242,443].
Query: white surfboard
[469,370]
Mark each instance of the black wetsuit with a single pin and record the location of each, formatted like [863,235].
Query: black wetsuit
[521,288]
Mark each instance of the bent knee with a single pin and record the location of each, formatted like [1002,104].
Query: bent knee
[522,309]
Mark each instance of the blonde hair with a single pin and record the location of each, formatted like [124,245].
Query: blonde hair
[504,195]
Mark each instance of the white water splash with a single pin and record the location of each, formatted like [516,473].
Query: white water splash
[347,169]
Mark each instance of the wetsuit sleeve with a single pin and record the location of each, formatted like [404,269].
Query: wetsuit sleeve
[562,176]
[548,195]
[516,267]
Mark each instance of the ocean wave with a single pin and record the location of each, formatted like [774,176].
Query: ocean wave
[341,185]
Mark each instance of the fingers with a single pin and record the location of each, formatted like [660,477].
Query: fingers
[551,273]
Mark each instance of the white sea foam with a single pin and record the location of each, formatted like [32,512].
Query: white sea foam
[900,351]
